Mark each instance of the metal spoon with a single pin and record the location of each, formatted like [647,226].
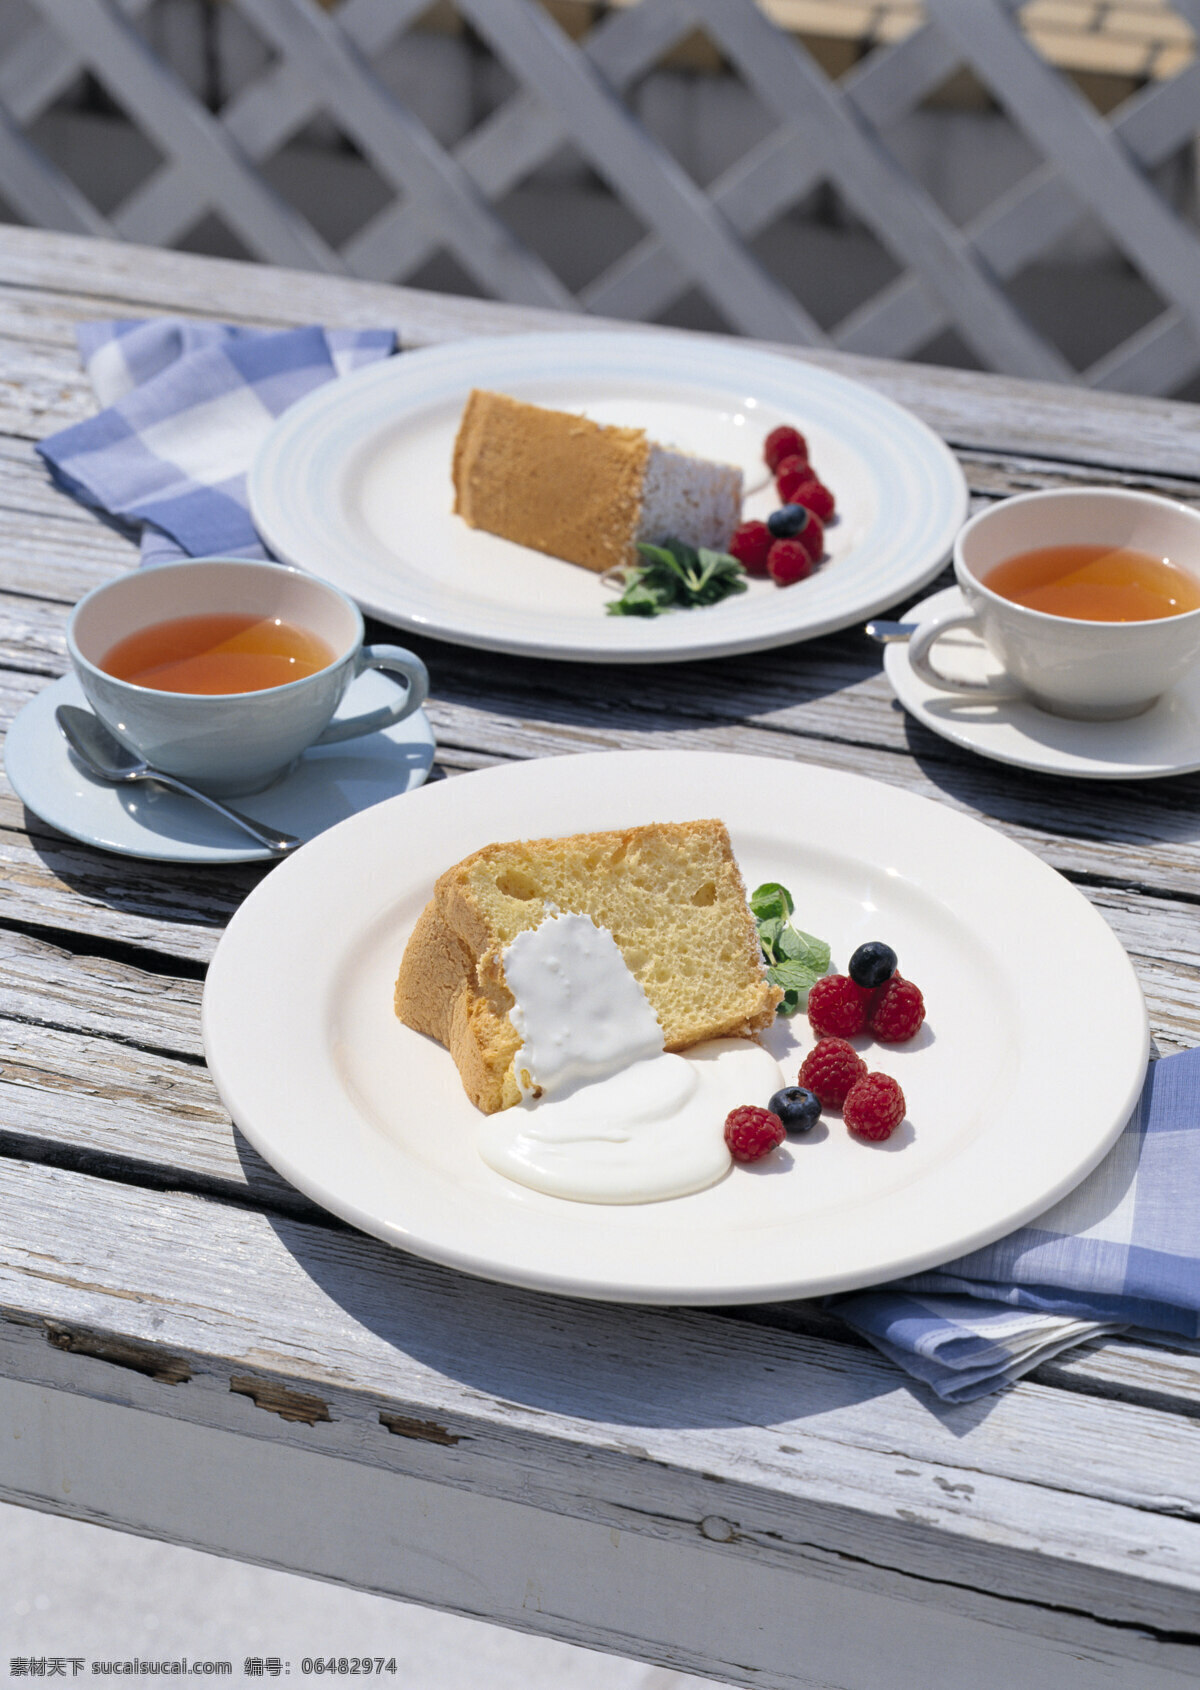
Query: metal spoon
[104,755]
[885,632]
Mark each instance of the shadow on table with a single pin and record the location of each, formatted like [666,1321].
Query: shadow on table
[649,698]
[1164,810]
[137,892]
[604,1364]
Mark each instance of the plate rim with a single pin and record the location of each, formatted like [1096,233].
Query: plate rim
[648,640]
[899,673]
[240,1077]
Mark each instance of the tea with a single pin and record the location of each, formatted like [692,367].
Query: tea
[219,653]
[1095,583]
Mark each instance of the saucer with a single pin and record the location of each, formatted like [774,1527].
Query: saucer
[1164,740]
[329,783]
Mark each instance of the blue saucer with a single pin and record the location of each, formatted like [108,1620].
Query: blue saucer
[328,784]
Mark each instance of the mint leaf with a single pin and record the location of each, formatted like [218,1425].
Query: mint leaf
[771,901]
[812,954]
[795,960]
[677,576]
[794,974]
[768,938]
[637,600]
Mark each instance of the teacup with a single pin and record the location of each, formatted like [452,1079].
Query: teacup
[1099,671]
[231,743]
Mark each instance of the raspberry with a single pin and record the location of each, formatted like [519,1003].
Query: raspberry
[781,443]
[830,1069]
[874,1106]
[897,1011]
[793,474]
[752,1133]
[816,497]
[750,545]
[789,561]
[837,1007]
[812,538]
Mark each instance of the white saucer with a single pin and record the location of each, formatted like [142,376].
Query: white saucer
[327,785]
[1165,740]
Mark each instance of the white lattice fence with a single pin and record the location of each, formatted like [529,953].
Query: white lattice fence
[821,131]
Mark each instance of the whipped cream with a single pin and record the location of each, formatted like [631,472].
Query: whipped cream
[608,1116]
[578,1009]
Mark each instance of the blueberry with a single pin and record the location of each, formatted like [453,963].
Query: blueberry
[797,1107]
[872,964]
[788,521]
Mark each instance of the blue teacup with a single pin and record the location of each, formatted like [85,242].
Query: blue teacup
[231,743]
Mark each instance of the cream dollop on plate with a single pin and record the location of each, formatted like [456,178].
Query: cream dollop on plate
[607,1115]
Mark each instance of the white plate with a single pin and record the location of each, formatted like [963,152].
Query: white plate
[1016,1088]
[354,483]
[328,784]
[1165,740]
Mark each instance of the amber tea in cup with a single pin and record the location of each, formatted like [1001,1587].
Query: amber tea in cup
[223,671]
[217,653]
[1087,597]
[1095,583]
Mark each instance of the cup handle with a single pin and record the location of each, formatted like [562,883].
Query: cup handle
[919,661]
[393,660]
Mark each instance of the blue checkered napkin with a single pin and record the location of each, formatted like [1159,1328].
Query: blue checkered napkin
[186,405]
[1121,1250]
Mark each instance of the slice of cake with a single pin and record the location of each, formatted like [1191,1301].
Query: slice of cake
[582,491]
[670,894]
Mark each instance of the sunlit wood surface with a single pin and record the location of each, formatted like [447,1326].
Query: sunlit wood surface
[190,1350]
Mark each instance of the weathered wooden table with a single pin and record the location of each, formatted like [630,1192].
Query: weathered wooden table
[189,1350]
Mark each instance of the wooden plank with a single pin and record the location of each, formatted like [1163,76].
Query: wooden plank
[682,1607]
[574,1580]
[32,634]
[26,490]
[990,414]
[55,556]
[1131,835]
[1163,1374]
[43,985]
[101,1070]
[127,1113]
[40,391]
[1138,833]
[68,1096]
[639,1420]
[53,883]
[835,710]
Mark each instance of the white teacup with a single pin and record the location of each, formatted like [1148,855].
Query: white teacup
[230,743]
[1098,671]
